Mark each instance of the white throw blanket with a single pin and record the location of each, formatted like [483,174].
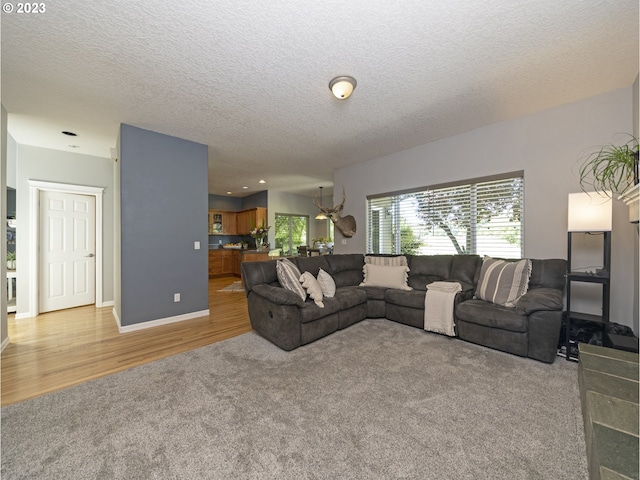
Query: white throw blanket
[438,307]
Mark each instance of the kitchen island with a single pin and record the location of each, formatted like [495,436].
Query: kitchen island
[226,261]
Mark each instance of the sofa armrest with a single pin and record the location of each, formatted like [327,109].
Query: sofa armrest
[539,299]
[278,295]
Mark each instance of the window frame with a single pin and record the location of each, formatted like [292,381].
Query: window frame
[391,241]
[292,249]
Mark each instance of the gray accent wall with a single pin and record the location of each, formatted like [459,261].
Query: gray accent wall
[547,146]
[163,211]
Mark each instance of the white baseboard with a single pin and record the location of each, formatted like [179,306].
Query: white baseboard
[115,315]
[5,342]
[22,316]
[106,304]
[158,322]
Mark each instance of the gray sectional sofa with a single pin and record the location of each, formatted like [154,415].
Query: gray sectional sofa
[531,329]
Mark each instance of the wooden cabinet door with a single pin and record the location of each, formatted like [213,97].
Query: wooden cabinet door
[229,223]
[215,262]
[247,218]
[235,262]
[260,216]
[227,262]
[210,222]
[242,223]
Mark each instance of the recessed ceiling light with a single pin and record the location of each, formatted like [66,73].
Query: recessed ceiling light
[228,193]
[71,134]
[262,181]
[245,188]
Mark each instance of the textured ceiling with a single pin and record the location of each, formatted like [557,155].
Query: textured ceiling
[250,79]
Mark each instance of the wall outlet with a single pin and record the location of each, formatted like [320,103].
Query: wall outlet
[196,245]
[344,241]
[176,297]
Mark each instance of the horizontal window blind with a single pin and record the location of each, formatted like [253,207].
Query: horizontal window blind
[483,217]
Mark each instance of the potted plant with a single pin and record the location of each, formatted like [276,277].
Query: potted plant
[613,169]
[11,260]
[259,233]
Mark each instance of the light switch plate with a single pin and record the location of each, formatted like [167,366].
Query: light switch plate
[196,245]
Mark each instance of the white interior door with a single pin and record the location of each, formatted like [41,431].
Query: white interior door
[67,250]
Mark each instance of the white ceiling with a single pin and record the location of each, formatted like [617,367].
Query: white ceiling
[250,78]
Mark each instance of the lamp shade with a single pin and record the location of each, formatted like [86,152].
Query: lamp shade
[590,212]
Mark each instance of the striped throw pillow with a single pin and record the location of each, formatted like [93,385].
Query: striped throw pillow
[289,277]
[502,282]
[396,261]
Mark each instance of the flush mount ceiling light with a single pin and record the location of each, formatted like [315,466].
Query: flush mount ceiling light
[342,87]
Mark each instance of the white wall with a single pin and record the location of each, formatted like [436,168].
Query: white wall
[4,334]
[289,203]
[546,146]
[35,163]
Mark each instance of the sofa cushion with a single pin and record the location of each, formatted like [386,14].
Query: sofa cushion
[346,269]
[548,273]
[420,282]
[350,297]
[431,265]
[312,287]
[289,277]
[310,312]
[491,315]
[258,273]
[465,269]
[375,293]
[311,264]
[503,282]
[413,298]
[426,269]
[326,283]
[540,299]
[385,276]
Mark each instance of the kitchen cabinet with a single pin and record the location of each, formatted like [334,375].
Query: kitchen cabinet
[235,262]
[246,218]
[224,262]
[222,223]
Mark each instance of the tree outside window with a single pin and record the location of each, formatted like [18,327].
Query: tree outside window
[290,232]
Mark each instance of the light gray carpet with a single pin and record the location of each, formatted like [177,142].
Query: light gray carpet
[377,400]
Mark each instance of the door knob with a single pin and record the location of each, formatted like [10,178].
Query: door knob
[90,255]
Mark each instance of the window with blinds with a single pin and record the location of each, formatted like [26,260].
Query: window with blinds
[482,216]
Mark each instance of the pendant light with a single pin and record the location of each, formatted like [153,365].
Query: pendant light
[321,216]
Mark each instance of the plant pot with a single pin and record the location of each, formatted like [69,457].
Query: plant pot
[11,264]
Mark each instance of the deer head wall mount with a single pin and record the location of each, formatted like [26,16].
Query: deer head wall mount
[346,224]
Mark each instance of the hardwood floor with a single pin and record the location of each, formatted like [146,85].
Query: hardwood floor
[59,349]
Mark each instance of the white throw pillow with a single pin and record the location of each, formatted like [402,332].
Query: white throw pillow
[312,287]
[327,283]
[289,277]
[385,276]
